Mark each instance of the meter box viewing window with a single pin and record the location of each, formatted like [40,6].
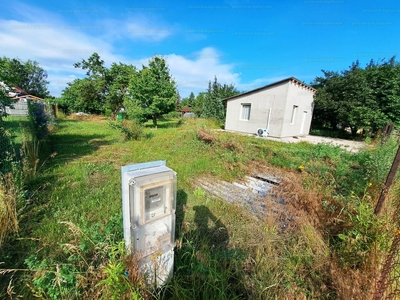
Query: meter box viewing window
[148,207]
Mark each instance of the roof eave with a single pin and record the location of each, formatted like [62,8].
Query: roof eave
[291,79]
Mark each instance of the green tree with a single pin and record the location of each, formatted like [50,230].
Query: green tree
[188,101]
[191,99]
[92,89]
[212,106]
[80,95]
[199,103]
[358,98]
[384,80]
[152,92]
[361,110]
[326,104]
[4,100]
[26,75]
[185,102]
[178,106]
[104,89]
[117,80]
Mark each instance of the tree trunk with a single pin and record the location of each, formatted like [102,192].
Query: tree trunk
[353,131]
[155,121]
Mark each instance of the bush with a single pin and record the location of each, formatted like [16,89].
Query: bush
[131,129]
[38,120]
[34,134]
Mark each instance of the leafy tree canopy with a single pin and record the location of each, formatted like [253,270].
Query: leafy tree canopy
[81,95]
[189,101]
[26,75]
[359,97]
[152,92]
[102,90]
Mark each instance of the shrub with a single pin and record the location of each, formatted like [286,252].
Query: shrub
[131,129]
[172,114]
[38,120]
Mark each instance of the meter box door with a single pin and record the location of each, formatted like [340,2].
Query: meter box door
[148,207]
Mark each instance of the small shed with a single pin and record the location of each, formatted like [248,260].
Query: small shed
[20,105]
[281,109]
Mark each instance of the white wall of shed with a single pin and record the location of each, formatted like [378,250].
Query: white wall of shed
[261,102]
[302,97]
[280,99]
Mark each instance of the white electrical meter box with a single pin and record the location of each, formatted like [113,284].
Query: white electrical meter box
[148,209]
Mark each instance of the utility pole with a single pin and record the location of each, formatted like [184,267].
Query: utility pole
[388,183]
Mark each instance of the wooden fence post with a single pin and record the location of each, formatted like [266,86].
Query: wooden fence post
[389,181]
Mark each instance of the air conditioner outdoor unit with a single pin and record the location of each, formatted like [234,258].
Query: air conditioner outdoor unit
[262,132]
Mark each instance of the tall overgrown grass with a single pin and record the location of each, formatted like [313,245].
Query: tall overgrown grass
[322,243]
[19,165]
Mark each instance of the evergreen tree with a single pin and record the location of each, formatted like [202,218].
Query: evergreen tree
[212,106]
[191,99]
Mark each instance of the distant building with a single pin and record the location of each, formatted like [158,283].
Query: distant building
[20,105]
[280,109]
[186,110]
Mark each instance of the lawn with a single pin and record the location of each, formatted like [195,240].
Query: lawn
[71,222]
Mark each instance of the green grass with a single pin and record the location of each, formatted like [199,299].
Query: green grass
[222,252]
[13,125]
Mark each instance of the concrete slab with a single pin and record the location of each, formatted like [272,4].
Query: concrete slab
[352,146]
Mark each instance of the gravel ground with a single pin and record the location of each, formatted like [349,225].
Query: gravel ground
[352,146]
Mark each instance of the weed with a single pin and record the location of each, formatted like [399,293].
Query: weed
[95,270]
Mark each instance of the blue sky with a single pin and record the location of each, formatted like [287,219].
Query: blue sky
[246,43]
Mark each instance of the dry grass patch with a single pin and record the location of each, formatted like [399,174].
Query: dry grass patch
[90,117]
[8,207]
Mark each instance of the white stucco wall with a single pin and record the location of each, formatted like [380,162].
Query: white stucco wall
[301,97]
[279,99]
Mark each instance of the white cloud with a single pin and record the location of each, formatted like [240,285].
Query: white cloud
[35,34]
[193,72]
[48,43]
[139,28]
[55,50]
[56,46]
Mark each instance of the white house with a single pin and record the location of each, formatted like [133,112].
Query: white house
[280,109]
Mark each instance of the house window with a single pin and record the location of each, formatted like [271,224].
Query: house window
[294,111]
[245,112]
